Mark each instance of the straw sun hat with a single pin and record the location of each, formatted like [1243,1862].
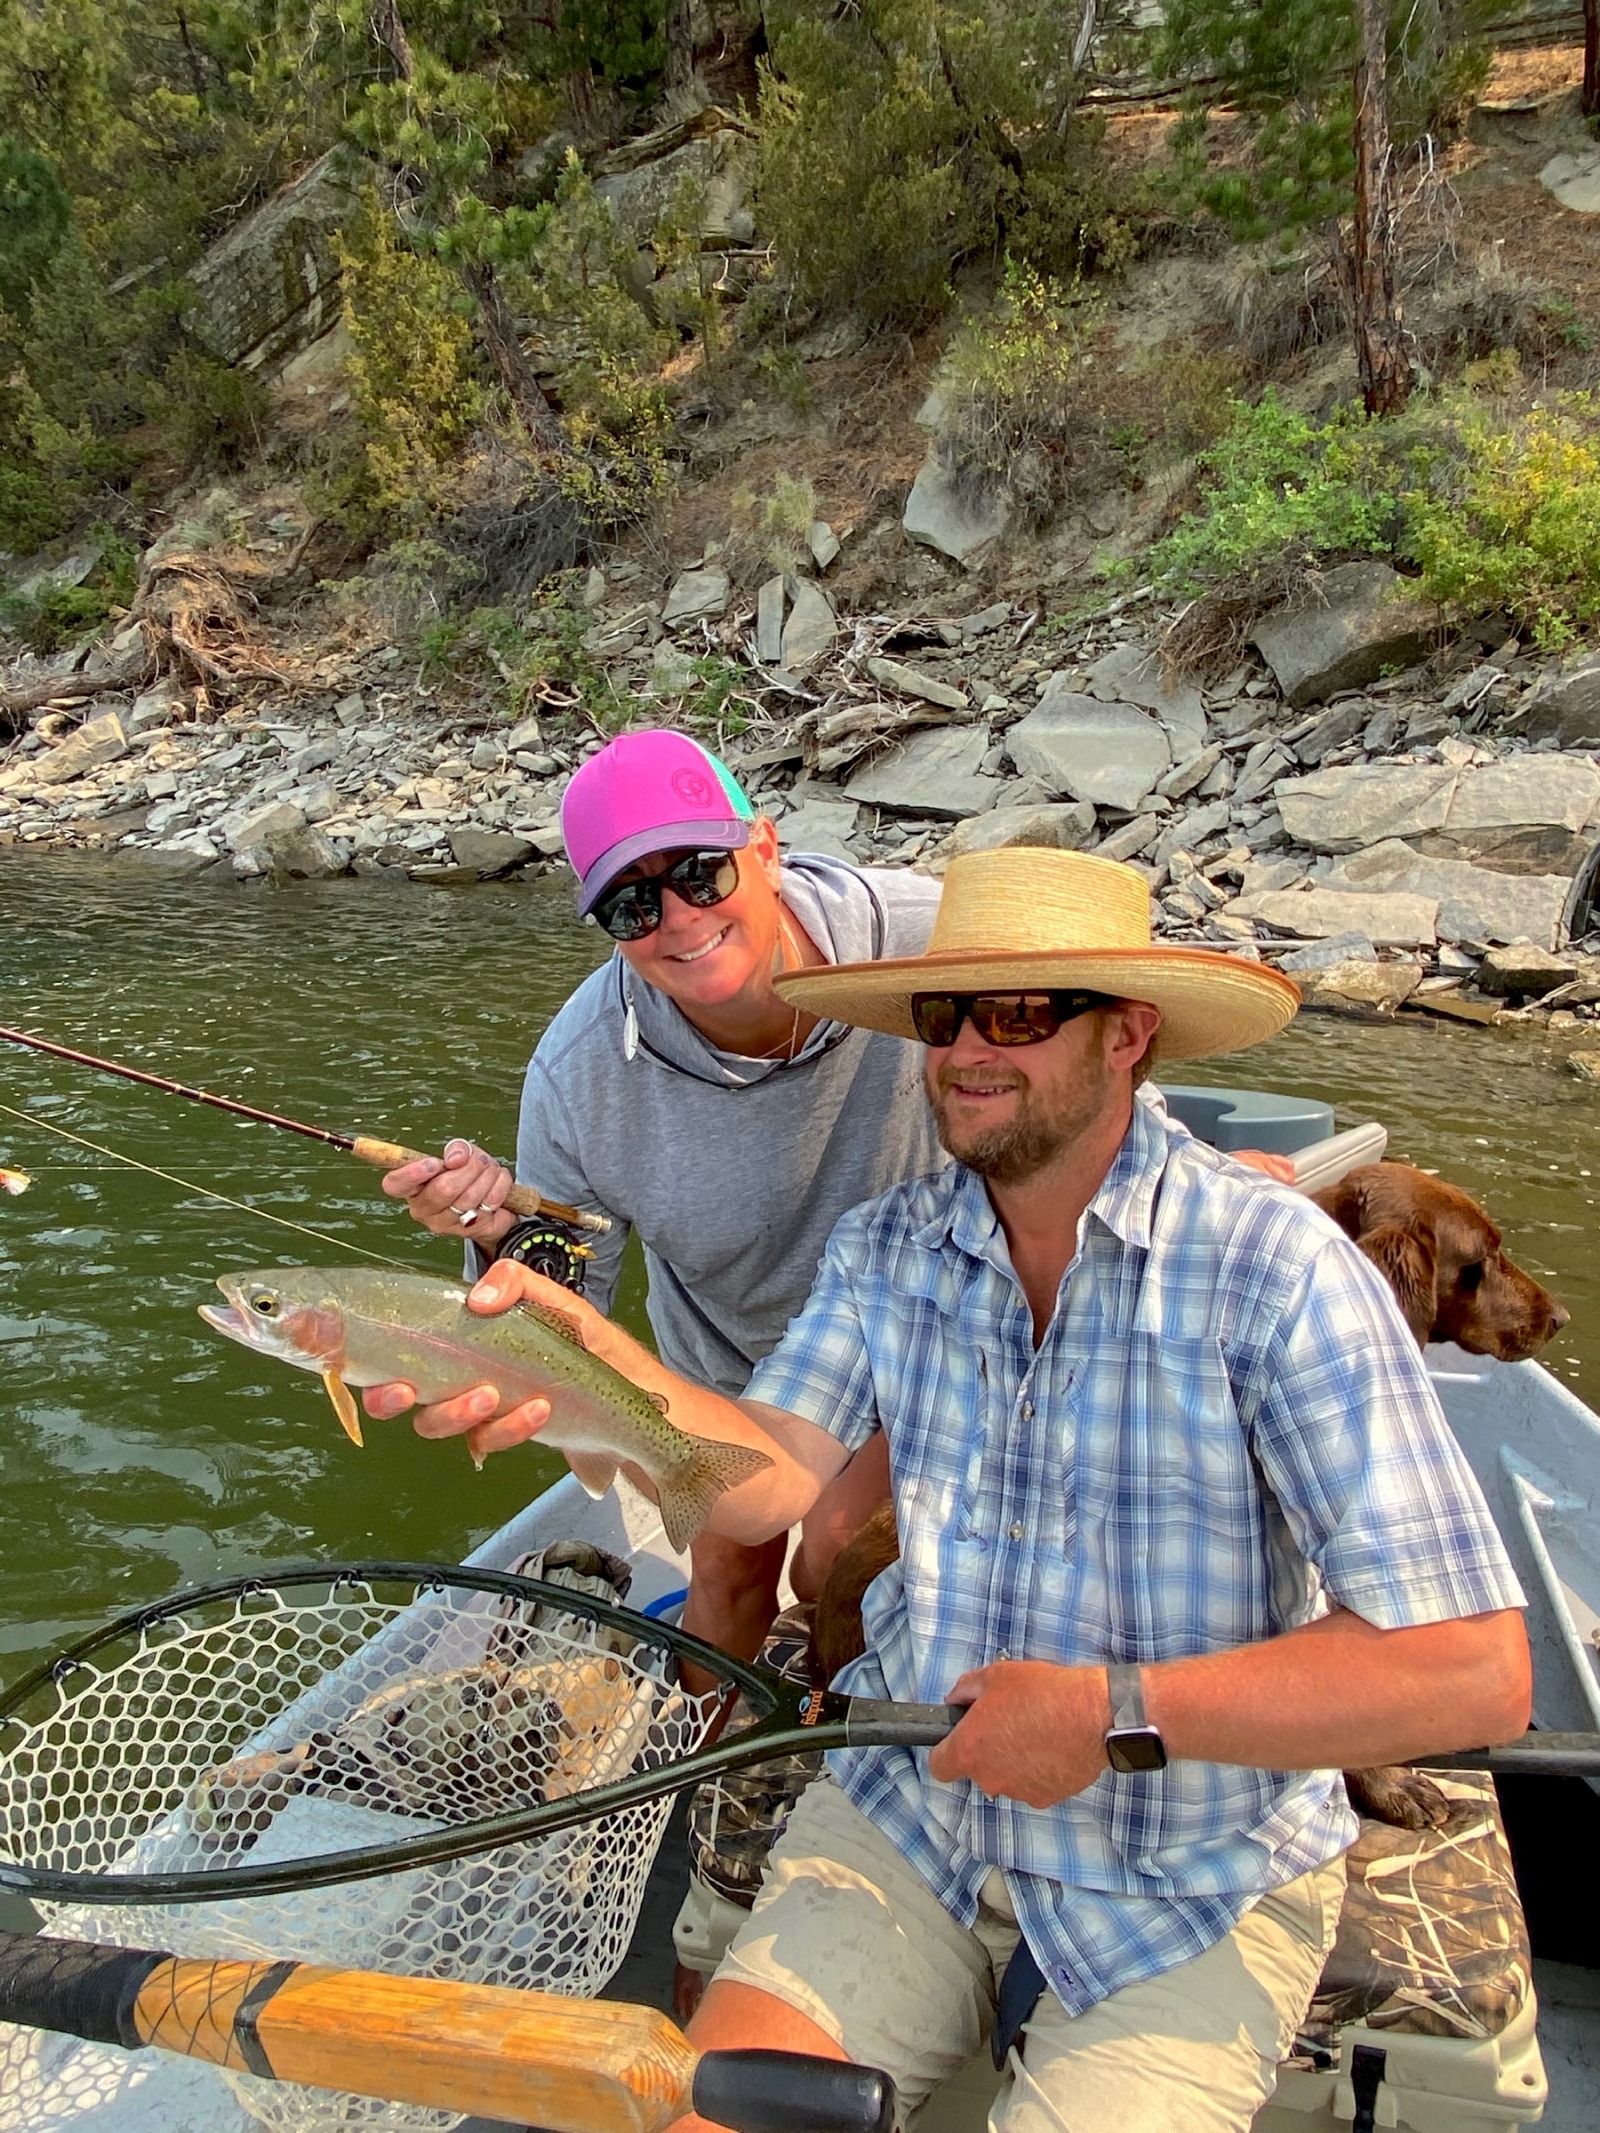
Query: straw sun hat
[1024,917]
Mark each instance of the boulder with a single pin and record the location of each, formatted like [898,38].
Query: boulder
[1066,826]
[490,852]
[820,826]
[1131,675]
[1391,921]
[303,854]
[1343,810]
[271,286]
[254,823]
[1565,707]
[1560,791]
[696,593]
[1323,955]
[1522,971]
[933,773]
[1586,1065]
[1573,178]
[1366,619]
[1085,749]
[715,171]
[98,740]
[1477,905]
[907,681]
[939,516]
[811,628]
[1360,986]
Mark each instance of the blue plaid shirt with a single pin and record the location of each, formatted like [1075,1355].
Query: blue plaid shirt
[1226,1425]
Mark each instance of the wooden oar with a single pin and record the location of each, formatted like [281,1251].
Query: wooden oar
[528,2058]
[382,1155]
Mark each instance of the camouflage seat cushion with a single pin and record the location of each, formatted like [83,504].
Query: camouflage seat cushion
[1431,1938]
[735,1819]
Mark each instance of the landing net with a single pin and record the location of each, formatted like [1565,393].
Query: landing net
[286,1721]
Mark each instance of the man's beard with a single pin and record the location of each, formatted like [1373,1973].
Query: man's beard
[1042,1125]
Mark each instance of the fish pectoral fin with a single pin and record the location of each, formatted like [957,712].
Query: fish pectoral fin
[344,1405]
[686,1501]
[594,1470]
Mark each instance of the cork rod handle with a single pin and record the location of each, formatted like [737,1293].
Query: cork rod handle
[521,1199]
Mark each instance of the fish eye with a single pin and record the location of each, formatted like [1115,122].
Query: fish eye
[265,1303]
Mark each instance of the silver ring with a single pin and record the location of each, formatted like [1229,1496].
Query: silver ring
[466,1216]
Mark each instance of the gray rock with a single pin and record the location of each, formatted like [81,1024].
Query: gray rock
[1467,693]
[1337,949]
[821,826]
[254,823]
[986,620]
[769,622]
[1129,674]
[696,593]
[303,854]
[490,852]
[526,734]
[1185,833]
[715,171]
[351,710]
[1064,825]
[1425,723]
[1132,839]
[98,740]
[1084,749]
[153,708]
[271,285]
[1366,620]
[823,543]
[1521,970]
[933,773]
[1395,920]
[907,681]
[1186,775]
[1565,707]
[1531,789]
[1336,728]
[1586,1065]
[938,517]
[671,671]
[810,630]
[1574,179]
[1381,730]
[1259,777]
[486,754]
[1477,905]
[317,755]
[1342,810]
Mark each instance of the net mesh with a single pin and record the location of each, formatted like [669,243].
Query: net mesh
[303,1723]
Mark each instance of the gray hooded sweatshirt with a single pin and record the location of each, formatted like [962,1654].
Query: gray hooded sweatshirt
[733,1171]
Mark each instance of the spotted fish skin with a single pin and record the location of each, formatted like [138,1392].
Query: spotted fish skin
[372,1326]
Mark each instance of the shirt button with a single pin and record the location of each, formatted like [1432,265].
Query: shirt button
[1003,1653]
[1015,1529]
[1027,1410]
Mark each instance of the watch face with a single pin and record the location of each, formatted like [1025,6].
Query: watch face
[1136,1748]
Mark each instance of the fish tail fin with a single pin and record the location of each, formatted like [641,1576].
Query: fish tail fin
[686,1501]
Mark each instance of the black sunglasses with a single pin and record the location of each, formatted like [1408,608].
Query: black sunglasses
[633,910]
[999,1018]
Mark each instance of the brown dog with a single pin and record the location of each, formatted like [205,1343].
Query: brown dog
[1441,1255]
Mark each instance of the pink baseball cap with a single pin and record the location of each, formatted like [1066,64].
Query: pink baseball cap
[644,793]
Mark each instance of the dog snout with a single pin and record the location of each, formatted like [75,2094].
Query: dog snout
[1559,1316]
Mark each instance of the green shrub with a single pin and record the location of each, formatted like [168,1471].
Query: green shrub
[61,615]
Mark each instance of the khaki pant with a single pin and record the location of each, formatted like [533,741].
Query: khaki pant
[846,1932]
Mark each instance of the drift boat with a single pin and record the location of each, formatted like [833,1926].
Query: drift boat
[1431,2014]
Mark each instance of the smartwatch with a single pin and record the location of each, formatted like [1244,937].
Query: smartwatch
[1132,1743]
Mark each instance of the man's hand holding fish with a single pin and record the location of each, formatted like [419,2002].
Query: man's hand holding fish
[803,1458]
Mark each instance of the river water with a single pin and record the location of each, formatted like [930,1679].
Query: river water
[139,1451]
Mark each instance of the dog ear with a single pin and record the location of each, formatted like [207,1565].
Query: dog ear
[1407,1259]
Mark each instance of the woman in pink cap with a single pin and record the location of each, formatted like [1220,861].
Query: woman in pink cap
[678,1094]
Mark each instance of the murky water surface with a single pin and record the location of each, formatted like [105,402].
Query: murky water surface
[139,1451]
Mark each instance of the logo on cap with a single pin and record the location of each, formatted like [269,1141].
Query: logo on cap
[694,788]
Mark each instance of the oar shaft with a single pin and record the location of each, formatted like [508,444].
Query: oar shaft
[526,2058]
[383,1155]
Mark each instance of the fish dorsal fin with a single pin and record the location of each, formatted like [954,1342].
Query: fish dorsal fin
[554,1321]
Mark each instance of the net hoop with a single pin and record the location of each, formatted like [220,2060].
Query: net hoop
[46,1695]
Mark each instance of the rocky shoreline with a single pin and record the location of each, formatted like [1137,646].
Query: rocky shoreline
[1396,825]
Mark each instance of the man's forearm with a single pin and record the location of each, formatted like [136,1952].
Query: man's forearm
[1339,1693]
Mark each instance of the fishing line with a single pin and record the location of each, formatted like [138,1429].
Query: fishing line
[342,1244]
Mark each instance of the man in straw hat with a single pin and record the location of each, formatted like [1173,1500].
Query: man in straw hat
[1182,1526]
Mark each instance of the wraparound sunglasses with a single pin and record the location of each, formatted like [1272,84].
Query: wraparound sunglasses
[999,1018]
[633,910]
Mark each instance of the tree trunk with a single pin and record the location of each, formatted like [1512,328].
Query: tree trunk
[1380,339]
[1591,58]
[390,32]
[678,74]
[516,372]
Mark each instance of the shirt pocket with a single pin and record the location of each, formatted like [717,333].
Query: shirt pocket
[1168,1553]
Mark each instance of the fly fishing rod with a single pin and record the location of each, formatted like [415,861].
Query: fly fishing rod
[553,1749]
[383,1155]
[525,2058]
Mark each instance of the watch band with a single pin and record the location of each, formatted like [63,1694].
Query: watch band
[1127,1698]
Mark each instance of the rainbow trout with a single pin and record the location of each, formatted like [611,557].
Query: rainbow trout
[368,1326]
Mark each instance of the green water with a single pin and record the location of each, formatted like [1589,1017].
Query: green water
[140,1452]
